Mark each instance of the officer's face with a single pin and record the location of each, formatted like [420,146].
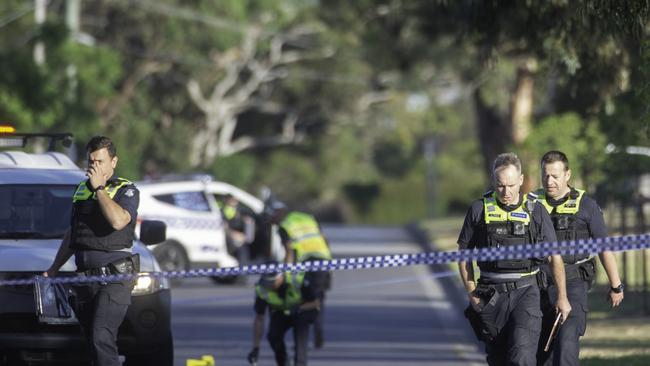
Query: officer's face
[102,161]
[507,182]
[555,179]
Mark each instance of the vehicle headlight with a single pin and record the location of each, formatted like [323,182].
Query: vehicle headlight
[147,284]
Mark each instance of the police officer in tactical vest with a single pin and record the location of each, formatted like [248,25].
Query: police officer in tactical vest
[504,306]
[302,234]
[292,303]
[575,216]
[100,237]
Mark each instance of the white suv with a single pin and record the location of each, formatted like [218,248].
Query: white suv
[196,234]
[35,207]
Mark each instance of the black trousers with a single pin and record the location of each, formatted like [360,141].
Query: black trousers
[101,310]
[565,348]
[278,327]
[517,319]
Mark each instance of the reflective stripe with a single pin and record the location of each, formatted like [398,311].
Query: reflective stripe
[494,213]
[507,276]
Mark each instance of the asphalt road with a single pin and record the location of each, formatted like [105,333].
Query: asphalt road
[393,316]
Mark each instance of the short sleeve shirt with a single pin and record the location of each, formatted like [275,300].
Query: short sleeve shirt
[589,215]
[473,234]
[128,197]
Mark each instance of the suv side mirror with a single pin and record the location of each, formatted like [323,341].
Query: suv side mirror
[152,232]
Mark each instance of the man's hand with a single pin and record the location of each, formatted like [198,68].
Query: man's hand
[96,175]
[614,298]
[253,355]
[563,306]
[475,301]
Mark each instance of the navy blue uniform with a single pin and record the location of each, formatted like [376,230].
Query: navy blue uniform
[280,323]
[101,307]
[510,311]
[565,348]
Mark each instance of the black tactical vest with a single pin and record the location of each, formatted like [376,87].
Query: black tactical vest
[90,229]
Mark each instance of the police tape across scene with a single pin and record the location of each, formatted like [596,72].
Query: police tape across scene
[592,246]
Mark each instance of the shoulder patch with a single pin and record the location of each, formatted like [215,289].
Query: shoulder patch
[129,192]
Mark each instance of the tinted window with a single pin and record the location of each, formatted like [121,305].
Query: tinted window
[194,201]
[35,211]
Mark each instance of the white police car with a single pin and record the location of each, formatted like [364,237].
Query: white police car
[196,235]
[35,206]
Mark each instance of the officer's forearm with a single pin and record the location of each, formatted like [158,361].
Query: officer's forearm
[63,254]
[466,270]
[311,305]
[609,263]
[557,267]
[258,329]
[114,213]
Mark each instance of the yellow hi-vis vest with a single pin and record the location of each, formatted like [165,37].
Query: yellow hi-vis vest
[306,237]
[564,221]
[504,229]
[292,298]
[90,229]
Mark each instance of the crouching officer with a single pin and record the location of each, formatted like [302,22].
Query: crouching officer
[100,237]
[504,305]
[301,233]
[292,304]
[575,216]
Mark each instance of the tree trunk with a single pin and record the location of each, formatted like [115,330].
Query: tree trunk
[493,131]
[521,114]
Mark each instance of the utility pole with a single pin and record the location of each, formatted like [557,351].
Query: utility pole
[40,12]
[72,20]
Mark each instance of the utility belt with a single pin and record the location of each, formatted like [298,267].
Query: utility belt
[584,271]
[509,286]
[127,265]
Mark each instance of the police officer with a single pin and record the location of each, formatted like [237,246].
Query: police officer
[292,303]
[240,230]
[504,303]
[100,237]
[302,233]
[575,216]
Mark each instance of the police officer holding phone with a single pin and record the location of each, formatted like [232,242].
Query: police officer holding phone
[100,237]
[575,216]
[504,303]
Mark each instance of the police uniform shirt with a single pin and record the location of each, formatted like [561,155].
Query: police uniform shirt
[306,290]
[128,197]
[589,214]
[474,234]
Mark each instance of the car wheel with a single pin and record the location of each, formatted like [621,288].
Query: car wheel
[163,356]
[171,256]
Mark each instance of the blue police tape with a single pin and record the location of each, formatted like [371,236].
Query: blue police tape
[622,243]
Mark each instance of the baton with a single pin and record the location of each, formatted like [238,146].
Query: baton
[556,326]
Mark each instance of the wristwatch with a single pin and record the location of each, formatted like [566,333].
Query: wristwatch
[99,188]
[618,289]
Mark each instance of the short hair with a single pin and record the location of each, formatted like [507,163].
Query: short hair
[506,159]
[100,142]
[553,156]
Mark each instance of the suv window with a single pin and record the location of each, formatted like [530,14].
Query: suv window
[194,201]
[35,211]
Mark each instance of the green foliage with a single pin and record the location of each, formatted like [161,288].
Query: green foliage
[238,169]
[582,142]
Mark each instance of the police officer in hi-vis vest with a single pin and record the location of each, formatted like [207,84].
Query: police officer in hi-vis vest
[100,237]
[303,235]
[292,303]
[575,216]
[504,306]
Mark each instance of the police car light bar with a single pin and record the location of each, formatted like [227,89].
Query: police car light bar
[11,140]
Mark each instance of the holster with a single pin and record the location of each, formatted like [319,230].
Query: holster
[481,331]
[542,280]
[588,272]
[126,265]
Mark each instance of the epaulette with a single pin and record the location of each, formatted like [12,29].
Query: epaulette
[574,194]
[488,194]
